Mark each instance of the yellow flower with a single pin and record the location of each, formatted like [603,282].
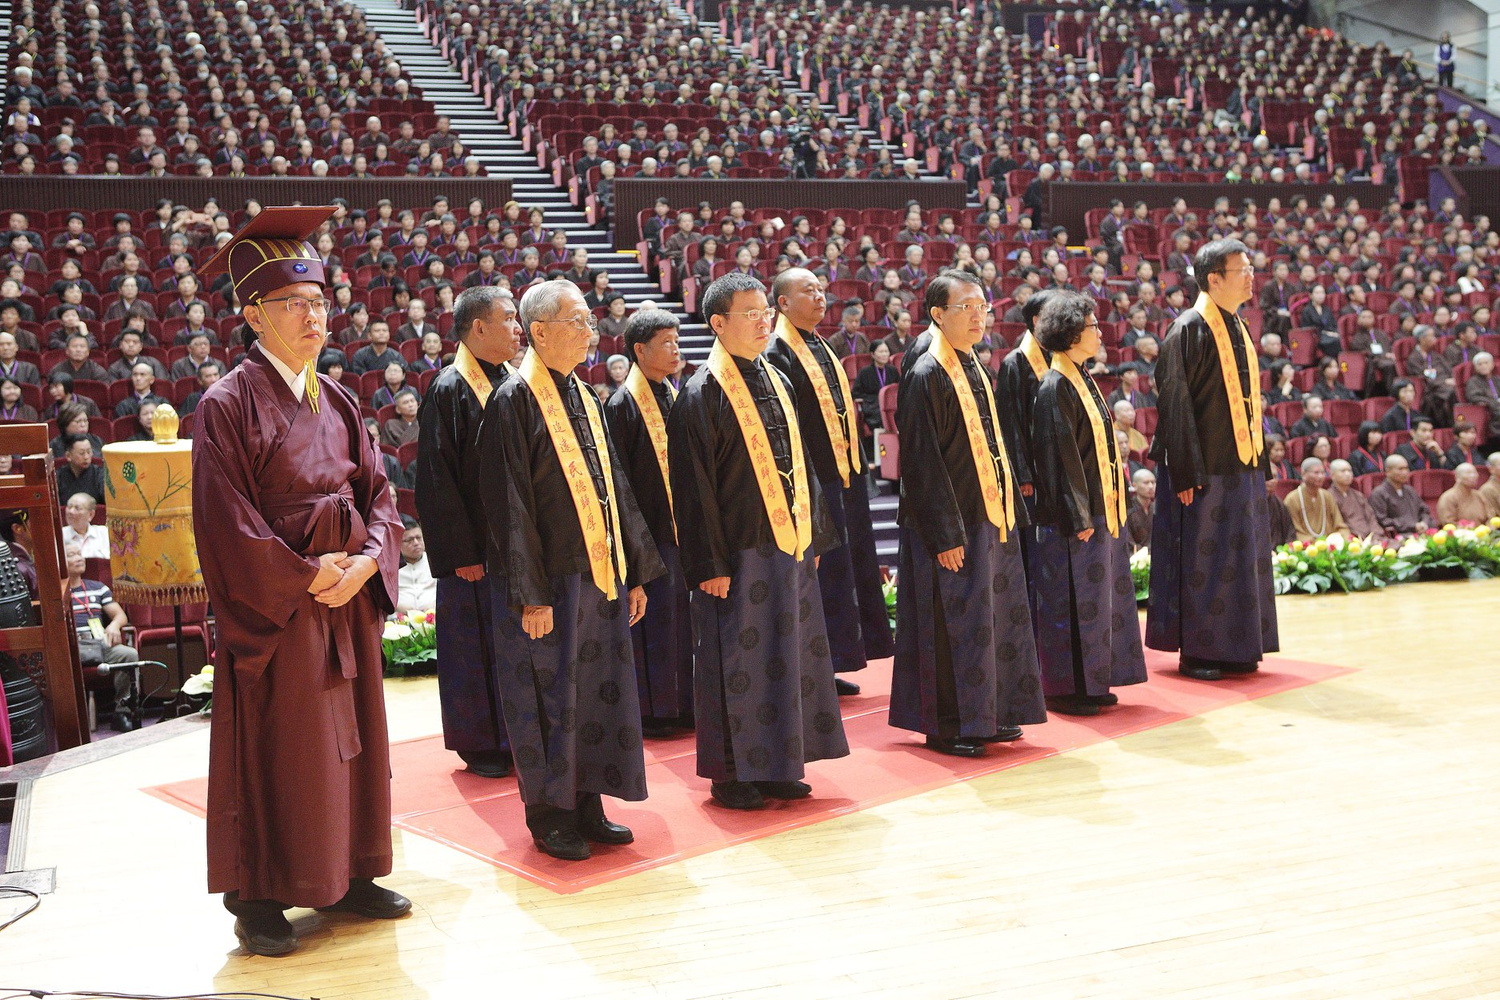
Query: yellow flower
[1354,546]
[1483,531]
[1450,528]
[1390,555]
[1298,546]
[1377,549]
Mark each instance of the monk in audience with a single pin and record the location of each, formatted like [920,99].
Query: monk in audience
[1314,512]
[1354,508]
[1396,504]
[1491,488]
[1462,501]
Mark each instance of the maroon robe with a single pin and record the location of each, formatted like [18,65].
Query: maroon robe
[299,765]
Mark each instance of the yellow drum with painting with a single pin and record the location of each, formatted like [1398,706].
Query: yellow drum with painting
[149,497]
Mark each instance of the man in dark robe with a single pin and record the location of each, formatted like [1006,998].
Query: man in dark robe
[564,524]
[750,523]
[449,489]
[637,417]
[301,574]
[966,670]
[1021,373]
[1212,594]
[849,576]
[1088,632]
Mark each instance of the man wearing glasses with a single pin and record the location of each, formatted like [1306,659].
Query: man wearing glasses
[573,554]
[301,573]
[1212,596]
[750,524]
[966,671]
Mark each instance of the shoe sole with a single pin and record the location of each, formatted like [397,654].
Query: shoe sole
[366,913]
[742,808]
[946,752]
[562,857]
[265,953]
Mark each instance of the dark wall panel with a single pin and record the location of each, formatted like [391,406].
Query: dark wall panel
[632,195]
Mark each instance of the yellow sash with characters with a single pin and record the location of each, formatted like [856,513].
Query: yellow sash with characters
[999,498]
[597,533]
[1032,349]
[640,389]
[1245,414]
[468,367]
[791,528]
[843,435]
[1111,470]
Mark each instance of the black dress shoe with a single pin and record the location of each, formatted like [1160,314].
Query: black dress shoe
[1230,667]
[593,825]
[487,763]
[1071,704]
[783,789]
[1004,734]
[366,899]
[845,688]
[1199,673]
[563,844]
[260,926]
[959,747]
[660,729]
[1103,700]
[737,795]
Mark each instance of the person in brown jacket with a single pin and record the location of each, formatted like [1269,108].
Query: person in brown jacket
[1462,501]
[1375,344]
[1483,388]
[1428,364]
[1491,488]
[1354,508]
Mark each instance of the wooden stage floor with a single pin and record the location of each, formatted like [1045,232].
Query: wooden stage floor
[1337,841]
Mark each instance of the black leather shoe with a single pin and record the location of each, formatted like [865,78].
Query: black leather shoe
[737,795]
[660,729]
[1103,700]
[845,688]
[1004,734]
[783,789]
[1228,667]
[1071,704]
[1199,673]
[260,926]
[366,899]
[593,825]
[565,845]
[487,763]
[960,747]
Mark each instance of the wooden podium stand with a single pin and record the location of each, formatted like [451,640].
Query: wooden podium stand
[34,490]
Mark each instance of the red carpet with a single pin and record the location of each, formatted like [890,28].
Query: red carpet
[482,817]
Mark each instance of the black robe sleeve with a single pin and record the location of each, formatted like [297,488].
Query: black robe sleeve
[446,474]
[1063,495]
[1015,402]
[695,449]
[933,440]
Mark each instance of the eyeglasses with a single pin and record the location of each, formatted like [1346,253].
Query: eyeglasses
[591,324]
[299,305]
[755,315]
[1239,270]
[964,307]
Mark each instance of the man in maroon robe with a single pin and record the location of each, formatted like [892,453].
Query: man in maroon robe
[299,541]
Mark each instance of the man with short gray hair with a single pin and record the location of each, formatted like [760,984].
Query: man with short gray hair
[1314,513]
[447,480]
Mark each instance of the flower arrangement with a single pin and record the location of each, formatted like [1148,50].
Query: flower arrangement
[1140,574]
[889,589]
[1349,565]
[1471,550]
[199,685]
[409,642]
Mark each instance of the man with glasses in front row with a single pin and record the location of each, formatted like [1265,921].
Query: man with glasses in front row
[1212,596]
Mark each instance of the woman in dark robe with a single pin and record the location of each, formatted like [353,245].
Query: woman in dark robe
[1088,634]
[301,573]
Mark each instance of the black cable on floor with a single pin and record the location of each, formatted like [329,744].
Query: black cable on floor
[36,901]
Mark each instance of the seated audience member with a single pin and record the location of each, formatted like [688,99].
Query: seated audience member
[378,353]
[392,466]
[77,364]
[1354,508]
[144,415]
[73,420]
[199,351]
[100,622]
[13,368]
[1125,421]
[1282,531]
[1330,384]
[1491,488]
[92,539]
[871,379]
[1428,364]
[208,373]
[1401,416]
[1483,389]
[1270,351]
[417,590]
[1142,508]
[847,339]
[142,391]
[1281,467]
[402,428]
[1367,456]
[395,382]
[1314,512]
[80,474]
[1465,446]
[1423,451]
[1312,423]
[1398,507]
[1133,388]
[131,347]
[12,410]
[1283,386]
[1462,501]
[431,358]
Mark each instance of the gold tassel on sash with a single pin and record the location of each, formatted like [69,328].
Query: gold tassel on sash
[999,499]
[842,435]
[607,572]
[639,388]
[1249,427]
[792,529]
[1111,470]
